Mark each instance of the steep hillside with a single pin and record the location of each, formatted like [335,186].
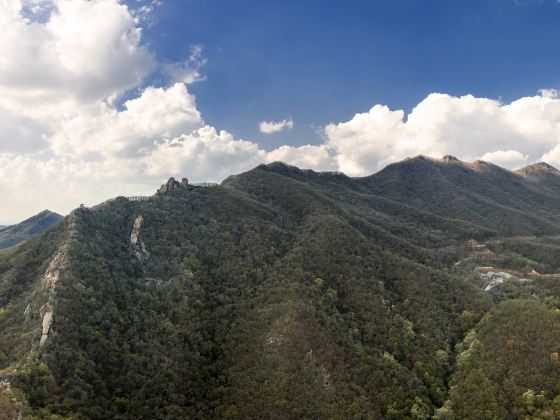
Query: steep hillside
[16,234]
[281,293]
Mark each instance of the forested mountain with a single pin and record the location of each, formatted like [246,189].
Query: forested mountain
[287,293]
[16,234]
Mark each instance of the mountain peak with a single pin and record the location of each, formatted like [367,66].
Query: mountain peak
[173,184]
[280,166]
[43,215]
[537,168]
[449,158]
[481,164]
[417,157]
[33,226]
[47,212]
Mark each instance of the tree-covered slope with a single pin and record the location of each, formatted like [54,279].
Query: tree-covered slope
[509,365]
[281,293]
[16,234]
[491,197]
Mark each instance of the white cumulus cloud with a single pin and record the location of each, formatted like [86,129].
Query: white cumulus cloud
[509,158]
[156,114]
[308,157]
[270,127]
[86,50]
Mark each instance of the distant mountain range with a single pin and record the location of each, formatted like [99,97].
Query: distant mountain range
[430,289]
[14,235]
[496,200]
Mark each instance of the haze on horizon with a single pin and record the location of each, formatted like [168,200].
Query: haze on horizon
[102,98]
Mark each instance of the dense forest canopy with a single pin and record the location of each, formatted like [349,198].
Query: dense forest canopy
[285,293]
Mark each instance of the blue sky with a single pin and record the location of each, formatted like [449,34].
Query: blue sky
[323,61]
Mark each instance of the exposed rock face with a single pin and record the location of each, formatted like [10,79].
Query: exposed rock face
[136,230]
[168,186]
[172,184]
[138,248]
[51,276]
[479,165]
[449,158]
[58,262]
[49,281]
[47,322]
[537,169]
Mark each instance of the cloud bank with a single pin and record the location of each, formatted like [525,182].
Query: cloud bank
[69,136]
